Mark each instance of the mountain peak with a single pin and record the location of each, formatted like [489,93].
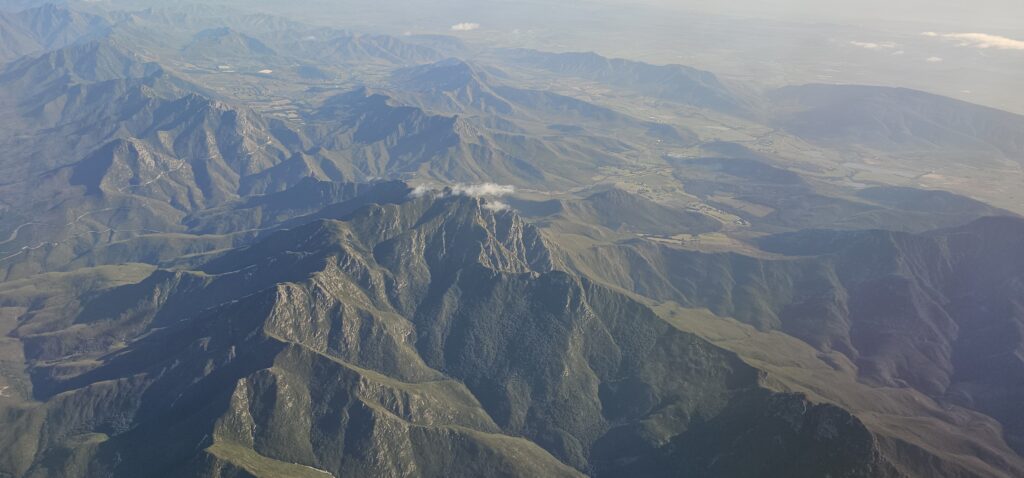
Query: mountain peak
[446,75]
[91,61]
[46,27]
[224,42]
[442,232]
[453,86]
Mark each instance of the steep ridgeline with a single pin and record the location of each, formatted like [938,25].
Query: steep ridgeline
[211,36]
[94,95]
[128,147]
[126,135]
[364,133]
[428,338]
[939,312]
[109,236]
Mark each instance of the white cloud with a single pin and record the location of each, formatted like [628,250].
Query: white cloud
[482,190]
[420,191]
[496,206]
[980,40]
[465,26]
[934,59]
[873,45]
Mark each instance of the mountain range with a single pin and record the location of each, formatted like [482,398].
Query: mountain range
[233,244]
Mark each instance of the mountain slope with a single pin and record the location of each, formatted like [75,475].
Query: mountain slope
[47,27]
[759,189]
[237,245]
[80,63]
[617,210]
[122,135]
[224,44]
[334,347]
[896,119]
[372,135]
[335,48]
[454,86]
[671,82]
[920,312]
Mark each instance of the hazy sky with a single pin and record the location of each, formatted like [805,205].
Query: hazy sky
[1003,14]
[1004,17]
[968,49]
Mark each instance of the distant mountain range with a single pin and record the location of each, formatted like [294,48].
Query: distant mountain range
[456,87]
[896,119]
[672,82]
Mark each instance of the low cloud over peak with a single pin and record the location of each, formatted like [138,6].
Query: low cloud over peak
[487,191]
[482,190]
